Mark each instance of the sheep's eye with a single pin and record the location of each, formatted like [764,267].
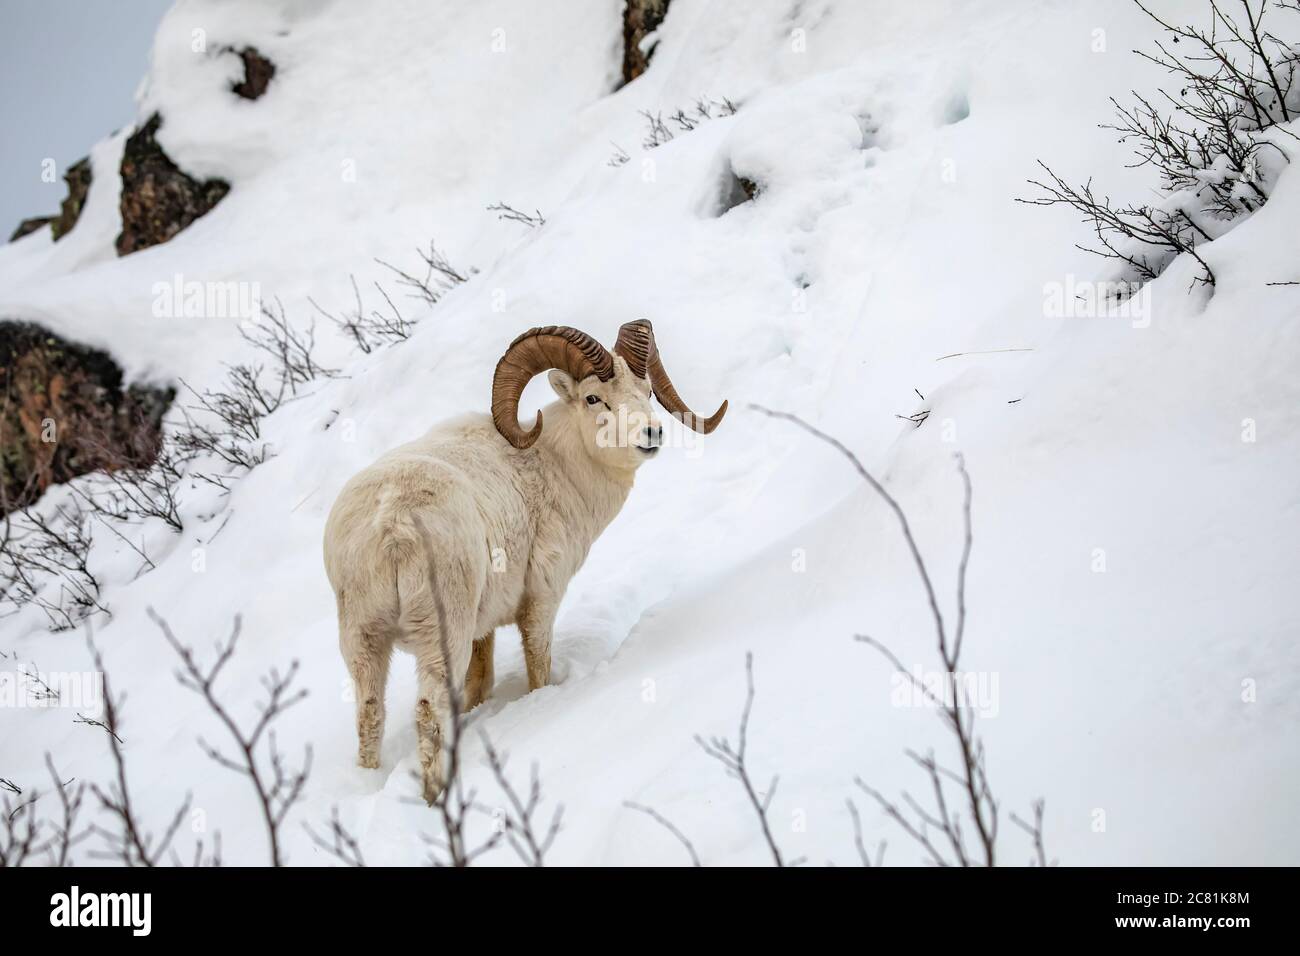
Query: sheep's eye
[593,399]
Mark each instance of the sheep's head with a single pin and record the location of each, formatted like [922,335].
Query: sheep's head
[614,418]
[609,393]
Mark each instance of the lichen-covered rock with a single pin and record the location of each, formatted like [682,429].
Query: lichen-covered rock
[258,71]
[78,178]
[64,412]
[158,198]
[640,19]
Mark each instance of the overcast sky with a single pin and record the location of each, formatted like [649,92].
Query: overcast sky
[70,69]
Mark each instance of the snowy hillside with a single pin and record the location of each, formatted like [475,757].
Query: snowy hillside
[1130,585]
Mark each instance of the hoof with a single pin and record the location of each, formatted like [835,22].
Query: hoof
[432,787]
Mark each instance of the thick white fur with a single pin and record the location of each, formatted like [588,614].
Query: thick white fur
[507,529]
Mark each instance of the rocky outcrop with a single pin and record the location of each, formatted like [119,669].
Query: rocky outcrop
[64,412]
[78,178]
[640,19]
[158,198]
[258,72]
[28,226]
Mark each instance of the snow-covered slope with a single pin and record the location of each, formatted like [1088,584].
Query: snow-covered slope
[888,141]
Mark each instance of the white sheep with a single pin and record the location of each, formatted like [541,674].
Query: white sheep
[508,517]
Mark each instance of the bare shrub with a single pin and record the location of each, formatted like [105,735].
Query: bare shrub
[1208,141]
[277,786]
[44,562]
[126,838]
[975,807]
[439,277]
[510,213]
[19,828]
[518,821]
[226,422]
[734,759]
[371,329]
[620,156]
[130,494]
[683,120]
[66,833]
[1143,236]
[291,350]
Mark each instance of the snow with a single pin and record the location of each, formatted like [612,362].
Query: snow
[888,153]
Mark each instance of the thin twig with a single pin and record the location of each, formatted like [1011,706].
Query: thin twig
[668,825]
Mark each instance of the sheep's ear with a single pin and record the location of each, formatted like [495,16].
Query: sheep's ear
[563,383]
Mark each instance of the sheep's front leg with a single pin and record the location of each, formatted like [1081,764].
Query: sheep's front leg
[535,626]
[478,681]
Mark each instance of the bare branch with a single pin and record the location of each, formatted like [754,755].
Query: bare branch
[863,855]
[66,835]
[517,822]
[1035,831]
[439,276]
[733,759]
[668,825]
[127,841]
[341,844]
[507,212]
[277,786]
[980,807]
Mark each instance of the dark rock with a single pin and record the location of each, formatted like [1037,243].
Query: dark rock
[734,191]
[78,179]
[258,71]
[640,19]
[65,413]
[28,226]
[158,199]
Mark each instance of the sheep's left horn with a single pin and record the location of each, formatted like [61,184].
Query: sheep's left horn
[636,345]
[555,346]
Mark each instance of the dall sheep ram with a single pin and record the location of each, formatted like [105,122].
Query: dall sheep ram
[506,516]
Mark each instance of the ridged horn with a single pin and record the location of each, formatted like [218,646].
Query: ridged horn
[536,351]
[636,345]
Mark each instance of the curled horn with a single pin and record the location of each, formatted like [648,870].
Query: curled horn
[536,351]
[636,345]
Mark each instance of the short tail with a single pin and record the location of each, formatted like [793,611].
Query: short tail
[410,554]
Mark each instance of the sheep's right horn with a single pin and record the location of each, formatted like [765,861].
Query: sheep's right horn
[636,344]
[536,351]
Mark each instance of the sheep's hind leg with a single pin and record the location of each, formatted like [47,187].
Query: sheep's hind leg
[432,715]
[367,656]
[478,681]
[438,678]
